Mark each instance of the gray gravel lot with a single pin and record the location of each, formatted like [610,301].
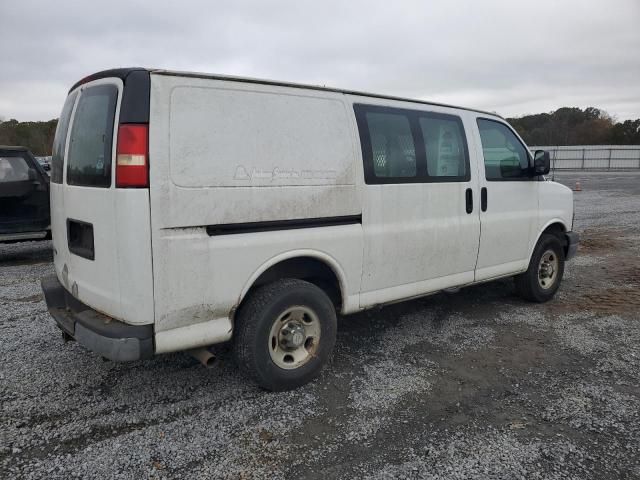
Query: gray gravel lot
[474,385]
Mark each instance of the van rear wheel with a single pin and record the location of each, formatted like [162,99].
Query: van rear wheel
[284,334]
[542,279]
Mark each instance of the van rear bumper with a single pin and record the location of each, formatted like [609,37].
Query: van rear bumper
[99,333]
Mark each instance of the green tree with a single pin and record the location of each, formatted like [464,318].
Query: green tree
[36,136]
[626,133]
[574,126]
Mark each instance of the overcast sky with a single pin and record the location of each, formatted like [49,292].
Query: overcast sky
[512,57]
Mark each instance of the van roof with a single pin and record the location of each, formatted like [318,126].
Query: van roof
[124,72]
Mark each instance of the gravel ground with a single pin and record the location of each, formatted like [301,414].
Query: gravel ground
[474,385]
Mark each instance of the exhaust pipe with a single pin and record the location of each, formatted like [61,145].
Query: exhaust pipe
[204,356]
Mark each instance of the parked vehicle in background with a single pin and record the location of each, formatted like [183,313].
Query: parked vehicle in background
[193,209]
[24,196]
[45,163]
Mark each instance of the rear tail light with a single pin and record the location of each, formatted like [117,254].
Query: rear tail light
[132,156]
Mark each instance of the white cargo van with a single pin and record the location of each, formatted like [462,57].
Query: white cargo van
[191,209]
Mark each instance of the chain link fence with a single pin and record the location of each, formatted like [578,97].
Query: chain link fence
[593,157]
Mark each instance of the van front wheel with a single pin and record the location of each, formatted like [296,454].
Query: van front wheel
[542,279]
[284,334]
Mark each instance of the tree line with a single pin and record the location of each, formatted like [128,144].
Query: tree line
[574,126]
[565,126]
[36,136]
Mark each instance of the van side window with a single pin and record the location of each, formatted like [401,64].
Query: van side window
[505,158]
[392,147]
[445,146]
[411,146]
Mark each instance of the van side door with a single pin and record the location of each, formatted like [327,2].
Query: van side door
[420,215]
[509,200]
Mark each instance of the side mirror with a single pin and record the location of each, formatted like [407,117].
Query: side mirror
[32,175]
[541,162]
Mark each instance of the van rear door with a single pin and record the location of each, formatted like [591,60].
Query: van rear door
[101,233]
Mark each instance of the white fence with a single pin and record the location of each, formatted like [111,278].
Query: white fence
[593,157]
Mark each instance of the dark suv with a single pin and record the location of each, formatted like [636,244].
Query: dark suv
[24,196]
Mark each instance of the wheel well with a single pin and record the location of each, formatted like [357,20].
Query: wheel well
[309,269]
[558,230]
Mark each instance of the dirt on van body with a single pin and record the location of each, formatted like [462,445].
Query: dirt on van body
[478,384]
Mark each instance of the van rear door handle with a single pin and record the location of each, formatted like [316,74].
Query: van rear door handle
[469,198]
[483,199]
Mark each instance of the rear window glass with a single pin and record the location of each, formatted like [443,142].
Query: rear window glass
[13,169]
[89,159]
[59,141]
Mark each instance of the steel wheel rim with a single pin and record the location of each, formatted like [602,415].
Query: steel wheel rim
[294,337]
[548,269]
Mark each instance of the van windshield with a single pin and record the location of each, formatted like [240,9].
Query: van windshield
[89,159]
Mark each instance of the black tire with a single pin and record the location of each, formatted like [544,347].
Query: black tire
[253,325]
[528,284]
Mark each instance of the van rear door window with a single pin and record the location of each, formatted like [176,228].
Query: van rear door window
[90,144]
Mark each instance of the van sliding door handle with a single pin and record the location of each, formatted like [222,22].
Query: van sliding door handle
[469,198]
[483,199]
